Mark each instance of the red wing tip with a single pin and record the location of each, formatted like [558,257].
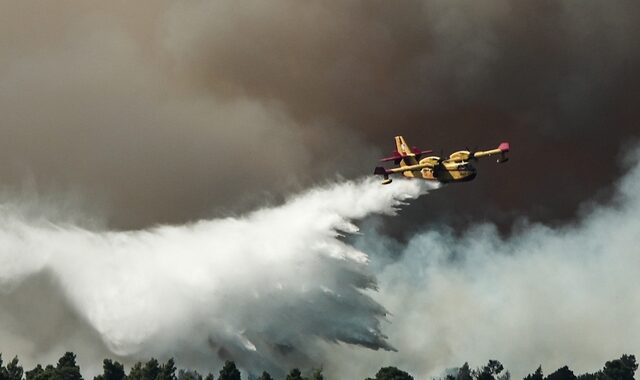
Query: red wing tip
[392,158]
[504,147]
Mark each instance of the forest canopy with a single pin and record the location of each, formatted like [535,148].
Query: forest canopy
[623,368]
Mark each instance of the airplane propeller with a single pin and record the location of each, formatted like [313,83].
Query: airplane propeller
[472,153]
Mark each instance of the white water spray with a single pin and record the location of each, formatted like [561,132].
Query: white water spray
[262,289]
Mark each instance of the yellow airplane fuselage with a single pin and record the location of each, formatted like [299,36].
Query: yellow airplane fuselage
[447,171]
[455,168]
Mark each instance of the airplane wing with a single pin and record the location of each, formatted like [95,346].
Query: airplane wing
[429,162]
[465,155]
[396,156]
[502,150]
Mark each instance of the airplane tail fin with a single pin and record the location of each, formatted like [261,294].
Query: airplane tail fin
[402,147]
[404,154]
[407,154]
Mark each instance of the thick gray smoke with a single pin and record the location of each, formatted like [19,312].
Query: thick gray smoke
[166,112]
[558,78]
[95,101]
[550,296]
[279,287]
[263,289]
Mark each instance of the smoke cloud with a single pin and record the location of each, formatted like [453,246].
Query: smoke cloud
[550,296]
[279,287]
[165,112]
[92,104]
[557,79]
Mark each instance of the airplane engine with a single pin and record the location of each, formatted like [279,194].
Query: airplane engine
[504,148]
[502,159]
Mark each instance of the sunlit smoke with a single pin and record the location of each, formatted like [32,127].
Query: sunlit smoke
[262,289]
[549,296]
[279,287]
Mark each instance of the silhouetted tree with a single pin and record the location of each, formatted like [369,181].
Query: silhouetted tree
[167,371]
[3,371]
[136,372]
[265,376]
[111,371]
[464,373]
[151,370]
[563,373]
[537,375]
[621,369]
[591,376]
[490,371]
[13,370]
[294,375]
[34,373]
[48,373]
[391,373]
[229,371]
[67,369]
[184,374]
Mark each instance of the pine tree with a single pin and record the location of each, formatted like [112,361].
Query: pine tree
[464,373]
[621,369]
[136,372]
[265,376]
[67,369]
[563,373]
[167,371]
[229,371]
[490,371]
[111,371]
[537,375]
[49,373]
[391,373]
[189,375]
[34,373]
[294,375]
[3,371]
[14,370]
[151,370]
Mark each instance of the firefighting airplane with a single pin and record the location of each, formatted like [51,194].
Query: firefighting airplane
[456,168]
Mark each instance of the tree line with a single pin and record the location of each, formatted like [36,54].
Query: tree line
[623,368]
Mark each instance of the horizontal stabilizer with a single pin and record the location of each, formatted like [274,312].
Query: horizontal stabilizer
[379,170]
[396,156]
